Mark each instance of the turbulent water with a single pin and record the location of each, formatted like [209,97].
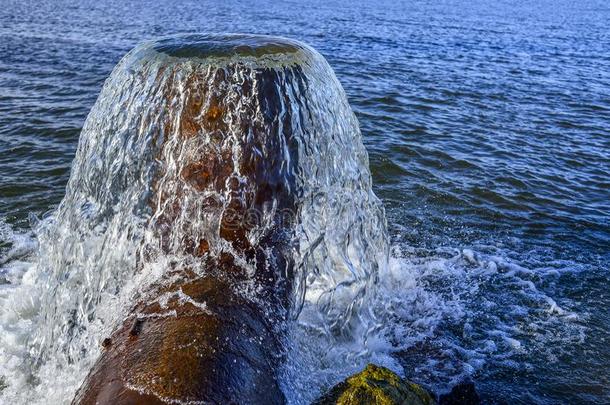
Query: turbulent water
[165,174]
[487,132]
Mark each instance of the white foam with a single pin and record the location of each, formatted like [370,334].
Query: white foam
[420,295]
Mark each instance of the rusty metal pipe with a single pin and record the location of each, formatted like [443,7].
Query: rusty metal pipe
[193,336]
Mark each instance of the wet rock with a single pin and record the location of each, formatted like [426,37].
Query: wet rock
[376,385]
[462,394]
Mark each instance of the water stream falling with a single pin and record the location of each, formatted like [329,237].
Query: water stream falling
[162,161]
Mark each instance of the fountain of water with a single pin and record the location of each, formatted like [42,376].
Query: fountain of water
[220,181]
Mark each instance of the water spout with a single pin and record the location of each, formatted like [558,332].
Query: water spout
[220,180]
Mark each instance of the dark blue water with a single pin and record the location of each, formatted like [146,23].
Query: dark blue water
[488,129]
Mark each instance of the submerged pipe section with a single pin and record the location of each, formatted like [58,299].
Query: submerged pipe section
[219,181]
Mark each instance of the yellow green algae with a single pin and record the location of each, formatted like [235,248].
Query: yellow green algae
[376,385]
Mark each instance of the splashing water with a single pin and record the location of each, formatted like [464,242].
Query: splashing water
[130,202]
[133,206]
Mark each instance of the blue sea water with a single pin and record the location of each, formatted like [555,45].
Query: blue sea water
[488,130]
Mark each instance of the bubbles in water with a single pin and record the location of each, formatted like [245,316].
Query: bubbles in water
[441,316]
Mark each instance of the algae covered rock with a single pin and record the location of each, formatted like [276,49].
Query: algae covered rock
[376,385]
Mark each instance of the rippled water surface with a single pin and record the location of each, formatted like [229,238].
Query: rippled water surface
[488,132]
